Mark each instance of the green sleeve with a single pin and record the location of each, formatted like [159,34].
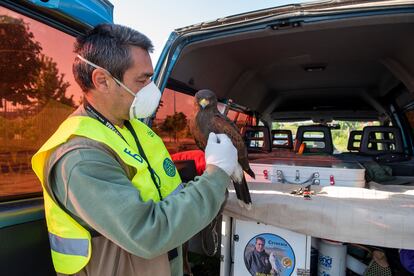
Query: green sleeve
[92,185]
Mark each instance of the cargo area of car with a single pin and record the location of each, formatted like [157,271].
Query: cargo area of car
[301,78]
[318,70]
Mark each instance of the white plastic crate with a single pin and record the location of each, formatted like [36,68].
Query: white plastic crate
[315,172]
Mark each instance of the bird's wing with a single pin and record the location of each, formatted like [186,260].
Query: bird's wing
[199,138]
[217,123]
[222,124]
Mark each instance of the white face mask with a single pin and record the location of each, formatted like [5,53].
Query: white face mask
[145,100]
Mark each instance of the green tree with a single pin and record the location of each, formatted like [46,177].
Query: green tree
[28,80]
[174,124]
[51,84]
[167,126]
[26,73]
[20,63]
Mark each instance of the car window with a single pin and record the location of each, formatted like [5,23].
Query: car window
[240,119]
[173,120]
[176,114]
[37,93]
[340,132]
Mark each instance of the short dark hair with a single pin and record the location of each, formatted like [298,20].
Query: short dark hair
[109,46]
[260,239]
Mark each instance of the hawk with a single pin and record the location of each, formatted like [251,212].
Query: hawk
[209,119]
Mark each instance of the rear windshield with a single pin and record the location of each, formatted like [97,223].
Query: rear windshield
[340,132]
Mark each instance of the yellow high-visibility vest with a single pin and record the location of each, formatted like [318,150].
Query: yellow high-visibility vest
[70,242]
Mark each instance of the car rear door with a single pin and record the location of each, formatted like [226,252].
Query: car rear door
[37,92]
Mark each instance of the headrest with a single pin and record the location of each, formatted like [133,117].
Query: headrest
[257,138]
[381,139]
[282,138]
[318,139]
[354,141]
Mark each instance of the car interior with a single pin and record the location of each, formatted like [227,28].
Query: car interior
[313,73]
[358,68]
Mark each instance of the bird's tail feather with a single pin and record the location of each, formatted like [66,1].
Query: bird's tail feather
[242,193]
[251,173]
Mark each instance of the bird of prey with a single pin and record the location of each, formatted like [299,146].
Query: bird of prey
[276,266]
[209,119]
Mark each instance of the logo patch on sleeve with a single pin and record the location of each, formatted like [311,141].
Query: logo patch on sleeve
[169,167]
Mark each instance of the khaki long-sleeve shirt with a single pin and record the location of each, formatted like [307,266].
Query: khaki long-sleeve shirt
[96,189]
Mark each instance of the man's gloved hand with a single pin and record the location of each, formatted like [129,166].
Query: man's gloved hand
[221,152]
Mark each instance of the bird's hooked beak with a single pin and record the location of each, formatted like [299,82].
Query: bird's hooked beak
[203,103]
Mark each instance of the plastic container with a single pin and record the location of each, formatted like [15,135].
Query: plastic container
[332,258]
[355,265]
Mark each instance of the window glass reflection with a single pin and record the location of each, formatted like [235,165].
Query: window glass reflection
[173,120]
[37,92]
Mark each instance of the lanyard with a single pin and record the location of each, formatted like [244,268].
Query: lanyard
[155,178]
[103,120]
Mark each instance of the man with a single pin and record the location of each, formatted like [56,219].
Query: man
[114,202]
[257,261]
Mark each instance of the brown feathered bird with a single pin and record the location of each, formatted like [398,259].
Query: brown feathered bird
[209,119]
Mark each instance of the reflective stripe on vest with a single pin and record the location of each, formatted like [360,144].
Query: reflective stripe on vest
[70,242]
[69,246]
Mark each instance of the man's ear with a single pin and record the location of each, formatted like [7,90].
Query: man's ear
[100,80]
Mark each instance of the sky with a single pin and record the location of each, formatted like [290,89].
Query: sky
[158,18]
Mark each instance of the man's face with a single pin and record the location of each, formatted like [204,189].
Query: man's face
[135,78]
[260,245]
